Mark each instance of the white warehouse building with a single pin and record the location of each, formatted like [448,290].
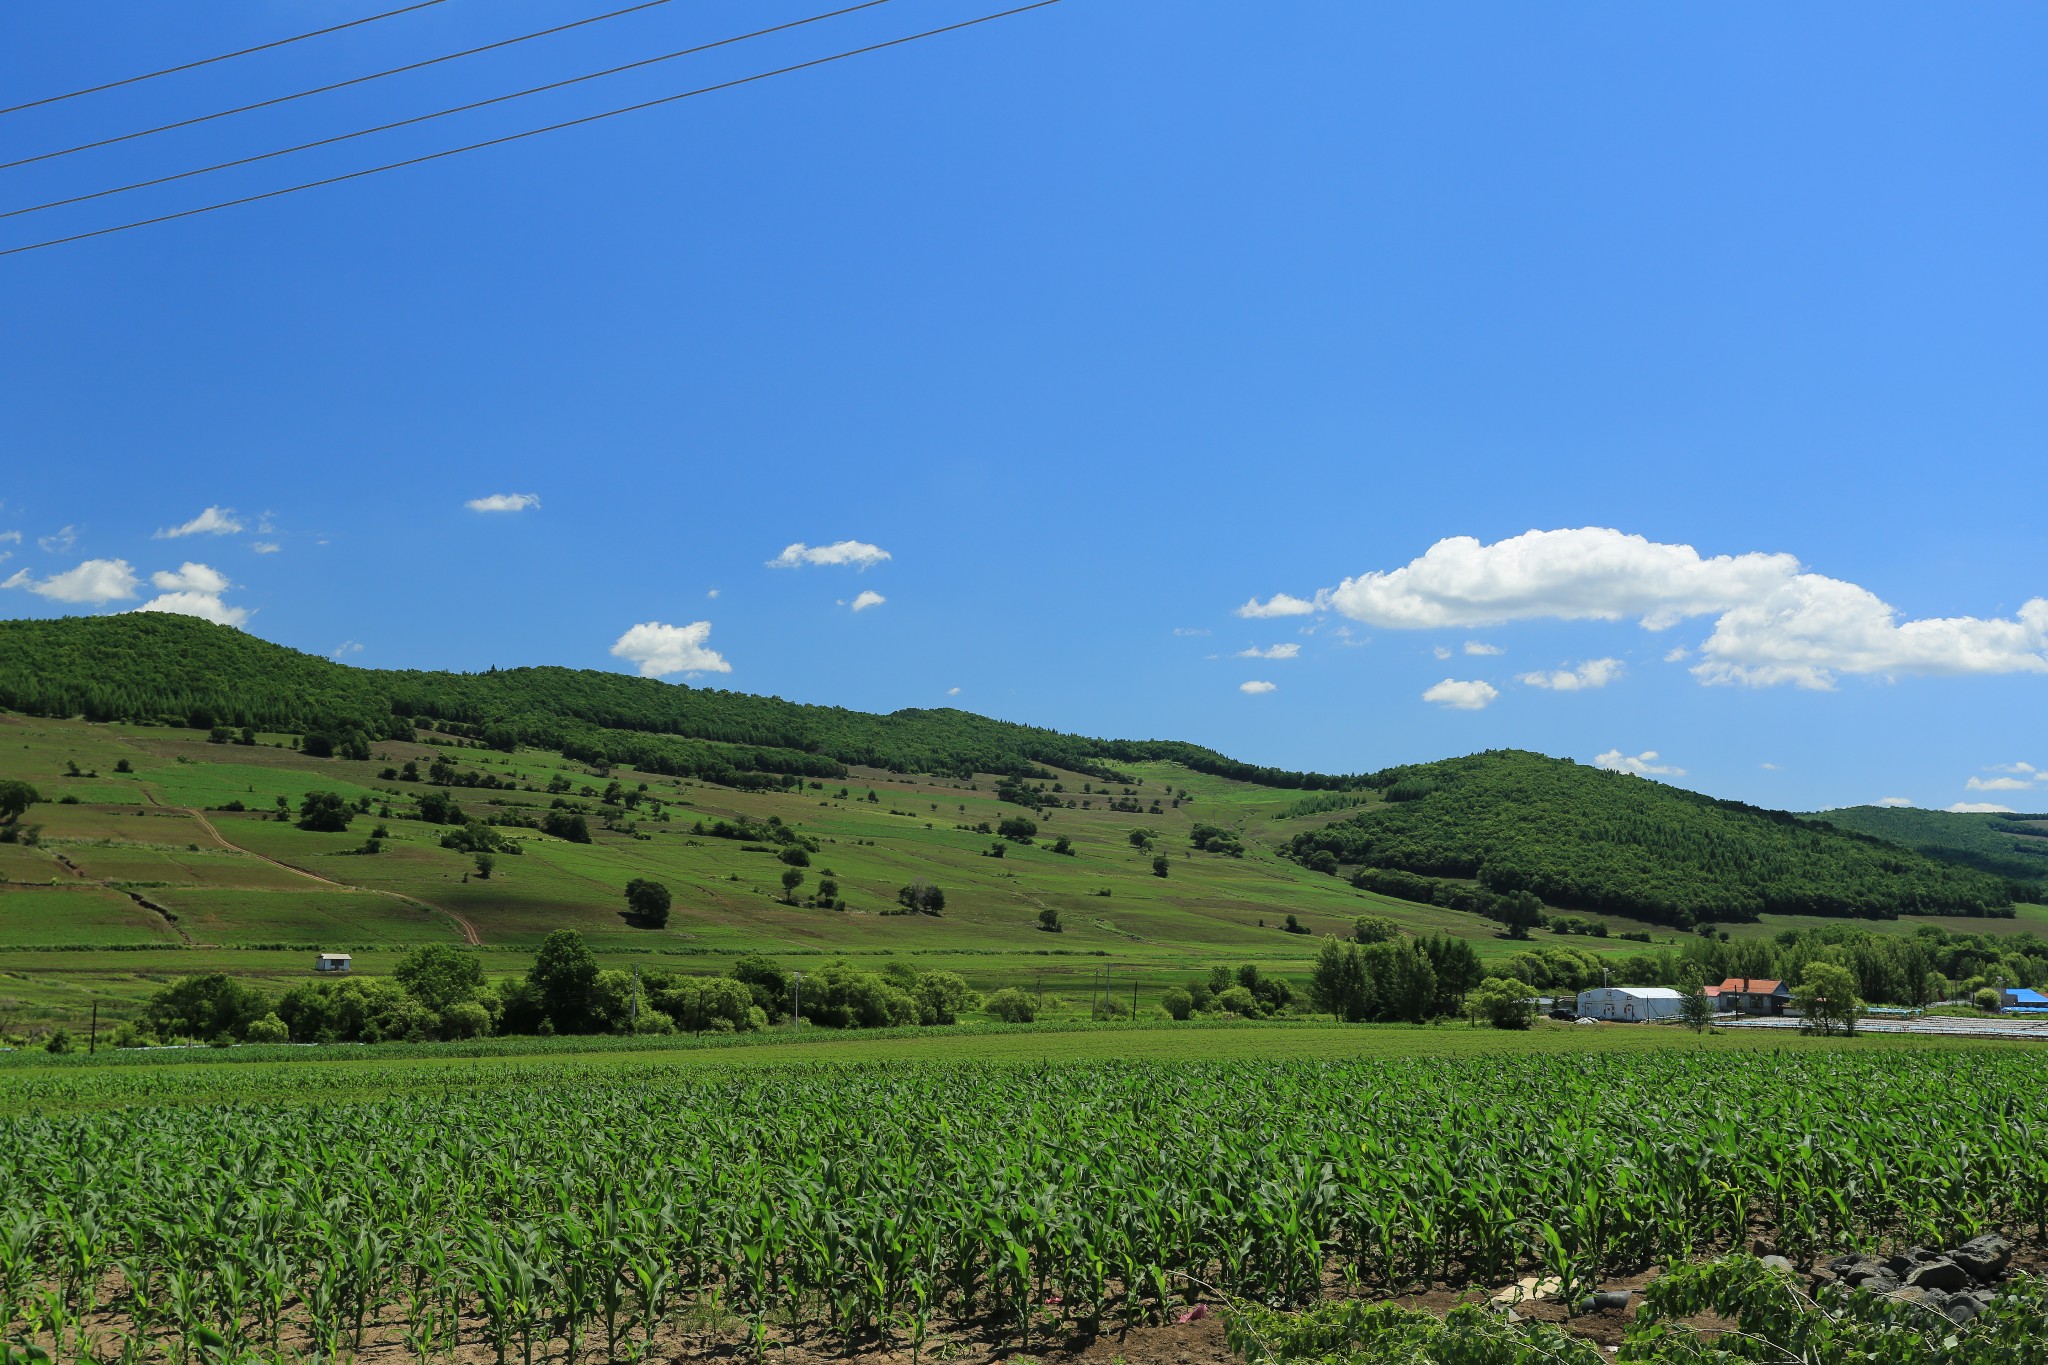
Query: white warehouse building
[1630,1003]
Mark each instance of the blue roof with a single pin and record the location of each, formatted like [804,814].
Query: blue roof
[2024,996]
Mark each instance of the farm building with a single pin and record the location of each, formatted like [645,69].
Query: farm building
[333,962]
[2021,1000]
[1636,1003]
[1751,995]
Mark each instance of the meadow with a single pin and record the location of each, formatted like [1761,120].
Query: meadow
[951,1193]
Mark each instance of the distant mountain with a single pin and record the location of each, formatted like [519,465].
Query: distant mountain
[1585,839]
[151,666]
[2010,846]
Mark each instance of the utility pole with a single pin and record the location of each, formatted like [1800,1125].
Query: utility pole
[1134,999]
[94,1045]
[636,999]
[796,1019]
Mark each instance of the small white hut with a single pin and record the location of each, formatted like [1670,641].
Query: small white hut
[332,962]
[1624,1004]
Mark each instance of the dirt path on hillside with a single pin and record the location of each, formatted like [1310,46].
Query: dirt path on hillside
[468,929]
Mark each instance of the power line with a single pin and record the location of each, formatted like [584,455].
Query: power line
[209,61]
[338,85]
[440,113]
[532,132]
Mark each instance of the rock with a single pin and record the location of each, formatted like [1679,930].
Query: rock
[1613,1300]
[1918,1254]
[1940,1273]
[1779,1263]
[1898,1265]
[1853,1271]
[1985,1258]
[1932,1299]
[1962,1310]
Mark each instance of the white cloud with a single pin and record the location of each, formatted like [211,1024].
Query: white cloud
[1677,654]
[1462,696]
[1893,802]
[1443,651]
[2017,768]
[10,537]
[1768,767]
[1774,622]
[952,691]
[265,547]
[1280,604]
[868,599]
[1643,764]
[205,605]
[1274,652]
[191,577]
[346,648]
[57,542]
[503,502]
[1588,675]
[93,582]
[661,650]
[858,553]
[1481,648]
[1256,688]
[214,521]
[712,594]
[1190,630]
[1979,808]
[1998,784]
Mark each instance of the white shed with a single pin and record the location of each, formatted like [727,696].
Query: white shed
[333,962]
[1629,1003]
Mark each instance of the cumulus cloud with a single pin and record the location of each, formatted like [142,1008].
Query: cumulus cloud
[868,599]
[94,582]
[1677,654]
[712,594]
[207,606]
[952,691]
[662,650]
[1279,604]
[503,502]
[1774,622]
[1256,688]
[857,553]
[10,537]
[346,648]
[1998,784]
[1979,808]
[1768,767]
[1644,764]
[265,547]
[57,542]
[214,521]
[1462,696]
[1894,802]
[1588,675]
[1272,652]
[1481,648]
[191,577]
[1190,630]
[1443,651]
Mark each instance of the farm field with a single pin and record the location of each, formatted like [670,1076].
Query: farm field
[962,1193]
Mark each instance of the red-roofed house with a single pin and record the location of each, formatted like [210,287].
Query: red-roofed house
[1750,995]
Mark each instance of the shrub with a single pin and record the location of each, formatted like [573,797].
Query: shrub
[268,1029]
[1177,1003]
[1012,1006]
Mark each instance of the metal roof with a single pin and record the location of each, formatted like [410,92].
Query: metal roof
[1638,992]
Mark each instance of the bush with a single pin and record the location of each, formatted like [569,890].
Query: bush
[1503,1002]
[60,1041]
[268,1029]
[1239,1000]
[1177,1003]
[1012,1006]
[1987,1000]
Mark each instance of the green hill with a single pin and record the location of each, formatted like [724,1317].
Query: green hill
[2011,846]
[159,667]
[1583,839]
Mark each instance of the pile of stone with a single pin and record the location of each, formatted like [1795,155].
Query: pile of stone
[1959,1282]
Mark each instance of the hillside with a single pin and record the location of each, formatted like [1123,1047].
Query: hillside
[152,666]
[1584,839]
[2011,846]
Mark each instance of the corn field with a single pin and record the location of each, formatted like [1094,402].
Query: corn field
[584,1217]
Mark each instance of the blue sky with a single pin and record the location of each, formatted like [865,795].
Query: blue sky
[1105,324]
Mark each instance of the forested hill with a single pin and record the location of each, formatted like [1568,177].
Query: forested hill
[1584,839]
[2010,846]
[151,666]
